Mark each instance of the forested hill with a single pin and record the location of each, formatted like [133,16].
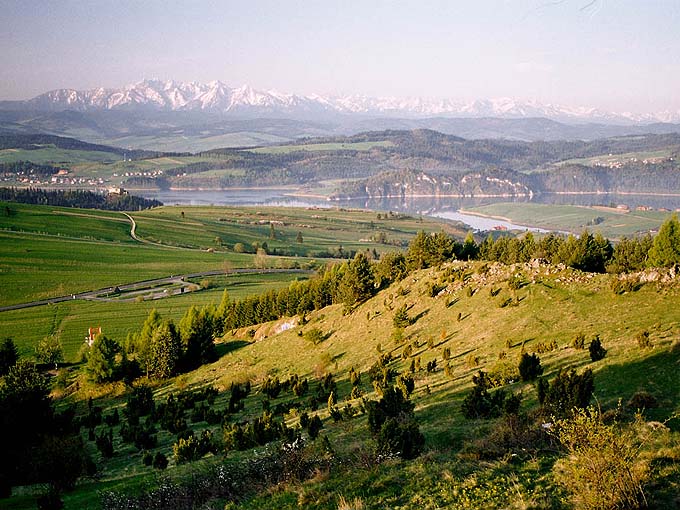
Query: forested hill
[75,198]
[40,141]
[422,162]
[510,154]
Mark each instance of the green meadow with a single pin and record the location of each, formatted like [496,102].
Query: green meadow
[69,321]
[321,229]
[613,159]
[51,154]
[612,223]
[313,147]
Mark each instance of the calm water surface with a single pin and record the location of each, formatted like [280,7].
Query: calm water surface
[441,207]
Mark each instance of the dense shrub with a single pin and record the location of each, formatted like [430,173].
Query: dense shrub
[642,400]
[401,318]
[260,431]
[480,403]
[579,341]
[160,461]
[192,448]
[104,442]
[643,340]
[271,387]
[314,427]
[502,372]
[516,434]
[604,469]
[530,367]
[143,435]
[568,390]
[238,392]
[597,351]
[9,355]
[139,402]
[314,336]
[392,422]
[400,437]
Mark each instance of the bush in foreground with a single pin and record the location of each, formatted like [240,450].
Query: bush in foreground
[603,469]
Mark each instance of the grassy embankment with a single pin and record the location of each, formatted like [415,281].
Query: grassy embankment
[612,223]
[618,159]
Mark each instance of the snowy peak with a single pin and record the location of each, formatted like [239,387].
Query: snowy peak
[218,97]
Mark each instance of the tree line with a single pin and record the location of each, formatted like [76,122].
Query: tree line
[28,168]
[77,198]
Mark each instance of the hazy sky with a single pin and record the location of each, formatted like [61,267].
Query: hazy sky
[621,55]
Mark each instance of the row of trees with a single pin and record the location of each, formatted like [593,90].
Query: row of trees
[76,198]
[159,350]
[27,168]
[588,252]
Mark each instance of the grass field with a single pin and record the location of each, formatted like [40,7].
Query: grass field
[356,146]
[97,170]
[322,229]
[614,159]
[552,305]
[610,222]
[194,143]
[51,251]
[55,155]
[70,320]
[34,267]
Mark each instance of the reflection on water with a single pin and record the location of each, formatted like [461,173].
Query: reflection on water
[443,207]
[481,223]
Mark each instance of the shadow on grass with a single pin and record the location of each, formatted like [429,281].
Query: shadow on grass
[452,302]
[419,316]
[227,347]
[464,353]
[656,373]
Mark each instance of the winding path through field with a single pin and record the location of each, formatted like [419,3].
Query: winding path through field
[102,294]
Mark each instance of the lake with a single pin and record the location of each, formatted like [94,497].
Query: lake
[441,207]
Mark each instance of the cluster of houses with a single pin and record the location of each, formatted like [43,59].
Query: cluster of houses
[614,162]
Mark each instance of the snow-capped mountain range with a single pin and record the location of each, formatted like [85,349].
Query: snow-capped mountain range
[217,97]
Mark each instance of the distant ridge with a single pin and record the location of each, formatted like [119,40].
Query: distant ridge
[245,101]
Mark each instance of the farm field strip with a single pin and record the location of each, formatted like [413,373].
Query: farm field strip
[354,146]
[70,320]
[612,224]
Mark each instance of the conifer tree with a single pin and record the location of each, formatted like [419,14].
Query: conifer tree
[9,355]
[357,283]
[101,360]
[665,251]
[141,342]
[165,352]
[196,329]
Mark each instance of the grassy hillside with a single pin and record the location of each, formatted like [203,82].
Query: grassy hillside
[56,155]
[485,315]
